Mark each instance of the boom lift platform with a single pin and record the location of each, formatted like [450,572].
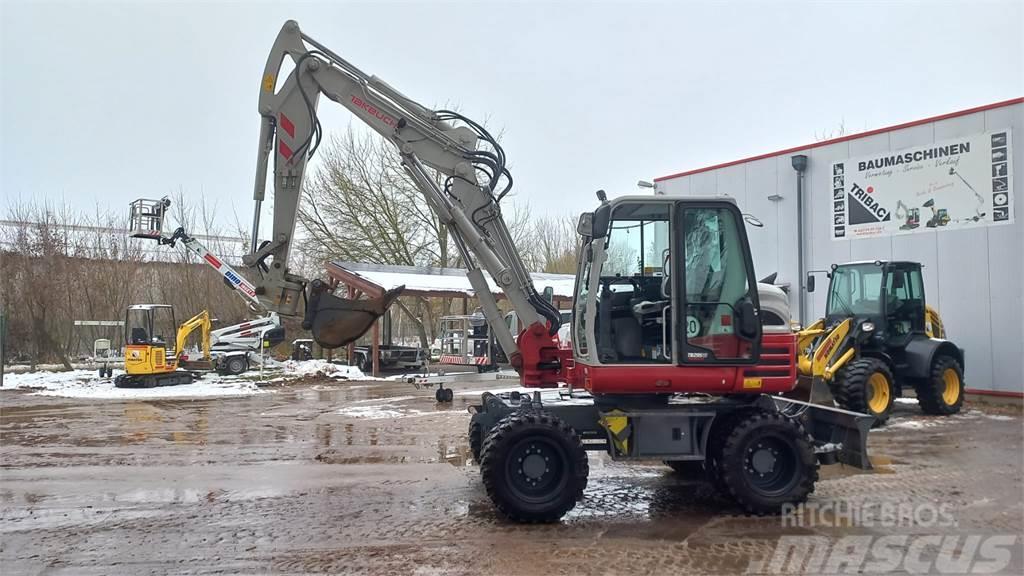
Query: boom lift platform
[669,358]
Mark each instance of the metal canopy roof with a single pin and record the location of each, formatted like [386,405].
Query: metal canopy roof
[374,279]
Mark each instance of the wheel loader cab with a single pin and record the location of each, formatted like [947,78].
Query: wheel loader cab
[667,284]
[888,294]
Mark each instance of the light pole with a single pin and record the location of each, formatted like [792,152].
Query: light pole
[646,184]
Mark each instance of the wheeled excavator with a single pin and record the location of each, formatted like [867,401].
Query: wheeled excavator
[669,358]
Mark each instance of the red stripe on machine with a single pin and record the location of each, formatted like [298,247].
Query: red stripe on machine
[284,149]
[287,125]
[212,260]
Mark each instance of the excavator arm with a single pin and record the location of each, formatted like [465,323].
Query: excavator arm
[455,163]
[199,322]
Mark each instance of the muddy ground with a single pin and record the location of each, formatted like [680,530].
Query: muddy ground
[375,477]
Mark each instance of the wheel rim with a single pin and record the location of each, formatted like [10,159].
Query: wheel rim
[951,390]
[771,464]
[536,469]
[878,390]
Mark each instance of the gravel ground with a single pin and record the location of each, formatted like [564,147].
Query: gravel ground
[324,476]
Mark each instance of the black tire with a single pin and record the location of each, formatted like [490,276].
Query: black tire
[720,429]
[767,462]
[476,436]
[103,371]
[110,371]
[449,394]
[854,388]
[534,467]
[439,394]
[935,395]
[236,365]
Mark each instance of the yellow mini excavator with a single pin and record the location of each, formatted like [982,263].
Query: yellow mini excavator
[878,337]
[151,357]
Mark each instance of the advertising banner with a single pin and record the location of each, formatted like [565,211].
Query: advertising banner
[948,185]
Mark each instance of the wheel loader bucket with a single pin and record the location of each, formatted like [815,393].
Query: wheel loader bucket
[338,321]
[812,390]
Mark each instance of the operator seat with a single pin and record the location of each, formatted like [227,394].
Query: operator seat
[139,336]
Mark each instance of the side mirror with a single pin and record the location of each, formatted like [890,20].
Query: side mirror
[585,226]
[548,294]
[748,321]
[810,282]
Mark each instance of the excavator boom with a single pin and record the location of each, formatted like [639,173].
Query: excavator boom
[434,146]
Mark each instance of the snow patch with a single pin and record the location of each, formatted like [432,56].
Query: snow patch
[379,412]
[999,417]
[87,384]
[910,424]
[292,368]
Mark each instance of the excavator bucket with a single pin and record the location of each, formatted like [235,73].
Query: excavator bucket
[338,321]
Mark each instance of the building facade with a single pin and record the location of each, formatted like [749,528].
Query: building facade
[940,191]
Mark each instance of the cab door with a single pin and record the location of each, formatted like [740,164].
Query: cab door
[716,318]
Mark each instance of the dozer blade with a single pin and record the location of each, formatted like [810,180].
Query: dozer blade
[337,321]
[839,432]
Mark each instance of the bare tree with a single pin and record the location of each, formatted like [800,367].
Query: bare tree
[556,243]
[361,206]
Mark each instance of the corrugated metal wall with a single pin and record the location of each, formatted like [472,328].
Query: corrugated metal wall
[973,276]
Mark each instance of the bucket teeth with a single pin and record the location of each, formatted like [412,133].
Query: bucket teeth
[338,321]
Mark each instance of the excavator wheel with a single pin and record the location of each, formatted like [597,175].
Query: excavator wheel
[534,467]
[943,393]
[767,462]
[720,429]
[476,436]
[865,385]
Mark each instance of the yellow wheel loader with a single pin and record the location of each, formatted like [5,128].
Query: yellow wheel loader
[878,337]
[151,357]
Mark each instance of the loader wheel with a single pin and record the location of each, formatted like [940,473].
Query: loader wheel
[534,467]
[943,393]
[767,462]
[865,385]
[236,365]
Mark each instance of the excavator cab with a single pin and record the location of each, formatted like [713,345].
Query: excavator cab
[665,284]
[150,334]
[151,348]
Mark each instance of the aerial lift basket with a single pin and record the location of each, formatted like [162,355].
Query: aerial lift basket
[146,219]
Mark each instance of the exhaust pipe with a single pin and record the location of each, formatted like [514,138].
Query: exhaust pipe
[335,322]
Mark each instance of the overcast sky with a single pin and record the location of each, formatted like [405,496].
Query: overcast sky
[104,102]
